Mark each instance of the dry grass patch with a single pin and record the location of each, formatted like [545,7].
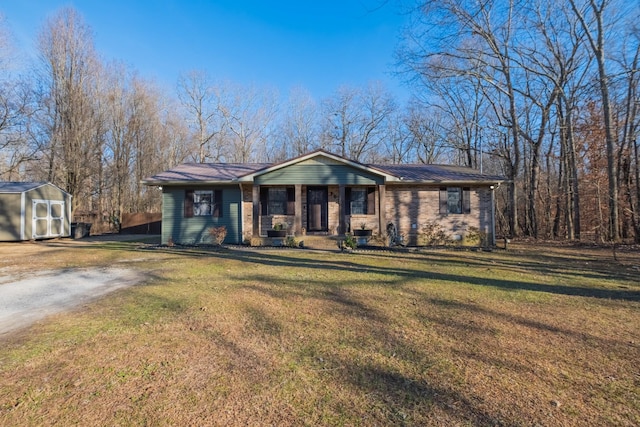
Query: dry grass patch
[523,337]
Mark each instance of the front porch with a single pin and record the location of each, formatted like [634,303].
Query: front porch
[313,210]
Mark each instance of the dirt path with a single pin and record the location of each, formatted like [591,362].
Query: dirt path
[25,301]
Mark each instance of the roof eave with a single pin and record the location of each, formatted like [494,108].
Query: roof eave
[448,182]
[152,182]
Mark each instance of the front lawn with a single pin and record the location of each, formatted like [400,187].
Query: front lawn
[530,336]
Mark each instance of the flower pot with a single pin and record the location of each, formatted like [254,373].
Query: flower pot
[362,233]
[276,233]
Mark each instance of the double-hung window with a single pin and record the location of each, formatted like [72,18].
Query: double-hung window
[455,200]
[361,200]
[358,201]
[203,203]
[277,200]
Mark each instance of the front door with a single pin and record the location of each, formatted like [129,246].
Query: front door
[317,209]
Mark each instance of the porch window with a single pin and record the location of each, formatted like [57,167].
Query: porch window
[277,200]
[361,200]
[455,200]
[203,203]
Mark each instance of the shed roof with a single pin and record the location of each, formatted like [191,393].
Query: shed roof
[18,187]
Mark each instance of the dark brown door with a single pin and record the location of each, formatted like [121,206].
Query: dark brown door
[317,209]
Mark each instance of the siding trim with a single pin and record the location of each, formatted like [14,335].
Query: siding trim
[23,214]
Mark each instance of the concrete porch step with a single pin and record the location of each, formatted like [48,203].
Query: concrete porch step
[321,242]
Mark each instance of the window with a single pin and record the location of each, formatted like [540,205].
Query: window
[203,203]
[361,200]
[455,200]
[277,200]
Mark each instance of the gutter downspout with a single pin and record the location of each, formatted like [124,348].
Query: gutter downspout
[23,214]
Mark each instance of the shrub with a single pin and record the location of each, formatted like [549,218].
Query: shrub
[432,234]
[290,242]
[475,237]
[350,242]
[218,234]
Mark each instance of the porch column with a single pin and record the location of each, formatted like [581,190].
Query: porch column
[382,212]
[342,203]
[297,221]
[256,210]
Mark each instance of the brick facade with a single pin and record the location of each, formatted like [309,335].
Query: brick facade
[412,208]
[409,207]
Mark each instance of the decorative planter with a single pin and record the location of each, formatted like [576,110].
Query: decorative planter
[362,233]
[276,233]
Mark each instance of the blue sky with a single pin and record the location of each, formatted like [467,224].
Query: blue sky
[318,45]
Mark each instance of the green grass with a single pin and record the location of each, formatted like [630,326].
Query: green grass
[534,335]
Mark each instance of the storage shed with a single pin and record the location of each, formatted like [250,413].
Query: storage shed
[33,210]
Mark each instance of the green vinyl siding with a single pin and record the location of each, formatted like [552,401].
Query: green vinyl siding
[193,230]
[319,174]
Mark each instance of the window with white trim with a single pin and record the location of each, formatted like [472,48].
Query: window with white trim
[203,203]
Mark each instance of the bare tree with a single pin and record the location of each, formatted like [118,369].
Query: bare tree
[460,38]
[299,129]
[425,129]
[15,112]
[248,114]
[591,15]
[355,120]
[69,65]
[199,98]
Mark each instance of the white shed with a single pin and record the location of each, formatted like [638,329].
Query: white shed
[33,210]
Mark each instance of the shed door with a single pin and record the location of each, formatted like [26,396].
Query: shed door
[48,218]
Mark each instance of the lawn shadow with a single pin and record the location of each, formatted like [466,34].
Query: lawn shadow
[353,264]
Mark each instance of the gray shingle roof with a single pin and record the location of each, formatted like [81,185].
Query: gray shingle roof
[205,172]
[436,173]
[410,173]
[18,187]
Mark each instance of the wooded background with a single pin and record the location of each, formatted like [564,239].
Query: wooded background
[544,93]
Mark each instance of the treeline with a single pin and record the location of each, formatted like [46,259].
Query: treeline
[543,94]
[550,90]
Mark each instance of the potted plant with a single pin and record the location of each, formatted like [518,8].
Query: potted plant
[363,231]
[279,230]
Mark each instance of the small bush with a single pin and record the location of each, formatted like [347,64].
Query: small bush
[218,234]
[432,234]
[474,237]
[350,242]
[290,242]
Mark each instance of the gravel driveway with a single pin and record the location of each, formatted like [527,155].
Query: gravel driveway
[24,301]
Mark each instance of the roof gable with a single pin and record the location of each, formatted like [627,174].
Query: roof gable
[320,157]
